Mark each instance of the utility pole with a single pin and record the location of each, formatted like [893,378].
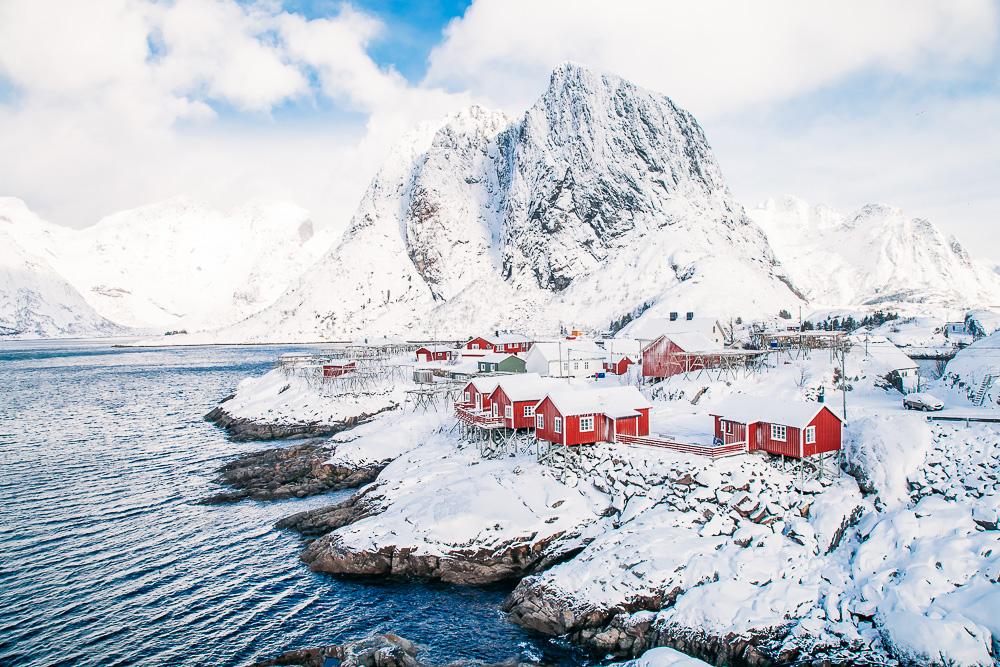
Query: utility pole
[843,380]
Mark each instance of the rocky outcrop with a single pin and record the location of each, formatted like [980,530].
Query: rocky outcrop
[242,429]
[471,566]
[317,522]
[374,651]
[289,472]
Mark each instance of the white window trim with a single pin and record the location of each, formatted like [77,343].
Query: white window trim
[529,410]
[779,428]
[810,435]
[587,424]
[730,428]
[557,424]
[508,411]
[468,397]
[495,410]
[539,422]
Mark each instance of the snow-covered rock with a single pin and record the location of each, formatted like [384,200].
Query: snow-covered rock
[876,257]
[883,452]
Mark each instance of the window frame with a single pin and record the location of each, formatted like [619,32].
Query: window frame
[468,396]
[539,421]
[508,411]
[779,428]
[587,419]
[810,435]
[730,428]
[528,411]
[557,424]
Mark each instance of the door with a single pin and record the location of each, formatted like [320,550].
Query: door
[479,401]
[758,436]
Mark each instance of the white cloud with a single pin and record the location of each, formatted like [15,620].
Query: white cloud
[710,56]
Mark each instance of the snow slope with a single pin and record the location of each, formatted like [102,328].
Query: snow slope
[601,197]
[876,256]
[177,264]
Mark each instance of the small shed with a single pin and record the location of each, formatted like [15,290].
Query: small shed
[336,369]
[795,429]
[476,393]
[516,396]
[499,362]
[429,353]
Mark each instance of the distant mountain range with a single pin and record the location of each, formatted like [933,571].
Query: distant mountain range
[602,200]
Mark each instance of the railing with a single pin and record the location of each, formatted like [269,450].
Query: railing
[685,448]
[477,418]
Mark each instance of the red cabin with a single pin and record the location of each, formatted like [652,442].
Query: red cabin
[336,370]
[679,353]
[789,429]
[435,353]
[516,396]
[476,394]
[586,416]
[619,367]
[506,343]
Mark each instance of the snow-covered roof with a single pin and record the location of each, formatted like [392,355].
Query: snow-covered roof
[650,328]
[568,350]
[888,354]
[505,338]
[750,409]
[611,401]
[623,347]
[527,386]
[694,342]
[437,348]
[484,385]
[496,357]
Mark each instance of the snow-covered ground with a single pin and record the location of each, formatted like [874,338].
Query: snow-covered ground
[898,557]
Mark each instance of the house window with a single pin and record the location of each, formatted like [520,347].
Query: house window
[508,411]
[539,421]
[529,410]
[495,412]
[557,424]
[778,432]
[586,424]
[468,397]
[810,435]
[474,346]
[586,365]
[730,428]
[565,365]
[576,365]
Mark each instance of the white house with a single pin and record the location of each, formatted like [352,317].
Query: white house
[893,360]
[648,329]
[565,358]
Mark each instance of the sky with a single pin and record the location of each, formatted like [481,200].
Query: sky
[112,104]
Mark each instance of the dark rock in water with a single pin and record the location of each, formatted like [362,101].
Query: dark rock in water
[248,429]
[289,472]
[386,650]
[320,521]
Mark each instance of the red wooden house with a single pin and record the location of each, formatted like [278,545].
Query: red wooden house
[516,396]
[335,370]
[435,353]
[586,416]
[790,429]
[476,394]
[672,354]
[619,366]
[506,343]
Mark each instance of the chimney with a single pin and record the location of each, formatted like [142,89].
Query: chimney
[673,316]
[497,333]
[690,315]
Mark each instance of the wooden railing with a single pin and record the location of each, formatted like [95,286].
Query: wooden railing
[686,448]
[477,418]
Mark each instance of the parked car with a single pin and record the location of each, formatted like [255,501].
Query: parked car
[922,401]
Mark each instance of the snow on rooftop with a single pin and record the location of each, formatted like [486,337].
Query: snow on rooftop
[496,357]
[887,353]
[527,386]
[610,401]
[749,409]
[569,350]
[694,342]
[651,328]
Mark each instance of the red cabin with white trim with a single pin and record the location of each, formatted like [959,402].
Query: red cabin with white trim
[506,343]
[516,397]
[435,353]
[586,416]
[788,429]
[476,394]
[335,370]
[673,354]
[618,367]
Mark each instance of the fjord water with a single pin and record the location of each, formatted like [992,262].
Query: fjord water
[105,559]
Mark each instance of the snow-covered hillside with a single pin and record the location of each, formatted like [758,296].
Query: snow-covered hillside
[35,301]
[178,264]
[601,198]
[876,256]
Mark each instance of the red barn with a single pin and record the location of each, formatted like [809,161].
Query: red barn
[516,396]
[673,354]
[790,429]
[619,366]
[507,343]
[435,353]
[337,369]
[586,416]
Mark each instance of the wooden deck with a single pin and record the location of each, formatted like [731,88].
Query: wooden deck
[685,448]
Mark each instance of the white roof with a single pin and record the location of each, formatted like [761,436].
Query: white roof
[485,385]
[888,354]
[649,328]
[526,386]
[496,357]
[611,401]
[437,348]
[693,342]
[750,409]
[623,347]
[568,350]
[506,338]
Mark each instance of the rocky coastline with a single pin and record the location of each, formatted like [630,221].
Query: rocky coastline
[243,429]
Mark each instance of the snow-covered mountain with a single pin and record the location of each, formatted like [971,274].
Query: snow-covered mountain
[178,264]
[876,256]
[602,198]
[36,302]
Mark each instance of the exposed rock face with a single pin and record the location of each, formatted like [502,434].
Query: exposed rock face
[375,651]
[289,472]
[247,429]
[462,566]
[317,522]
